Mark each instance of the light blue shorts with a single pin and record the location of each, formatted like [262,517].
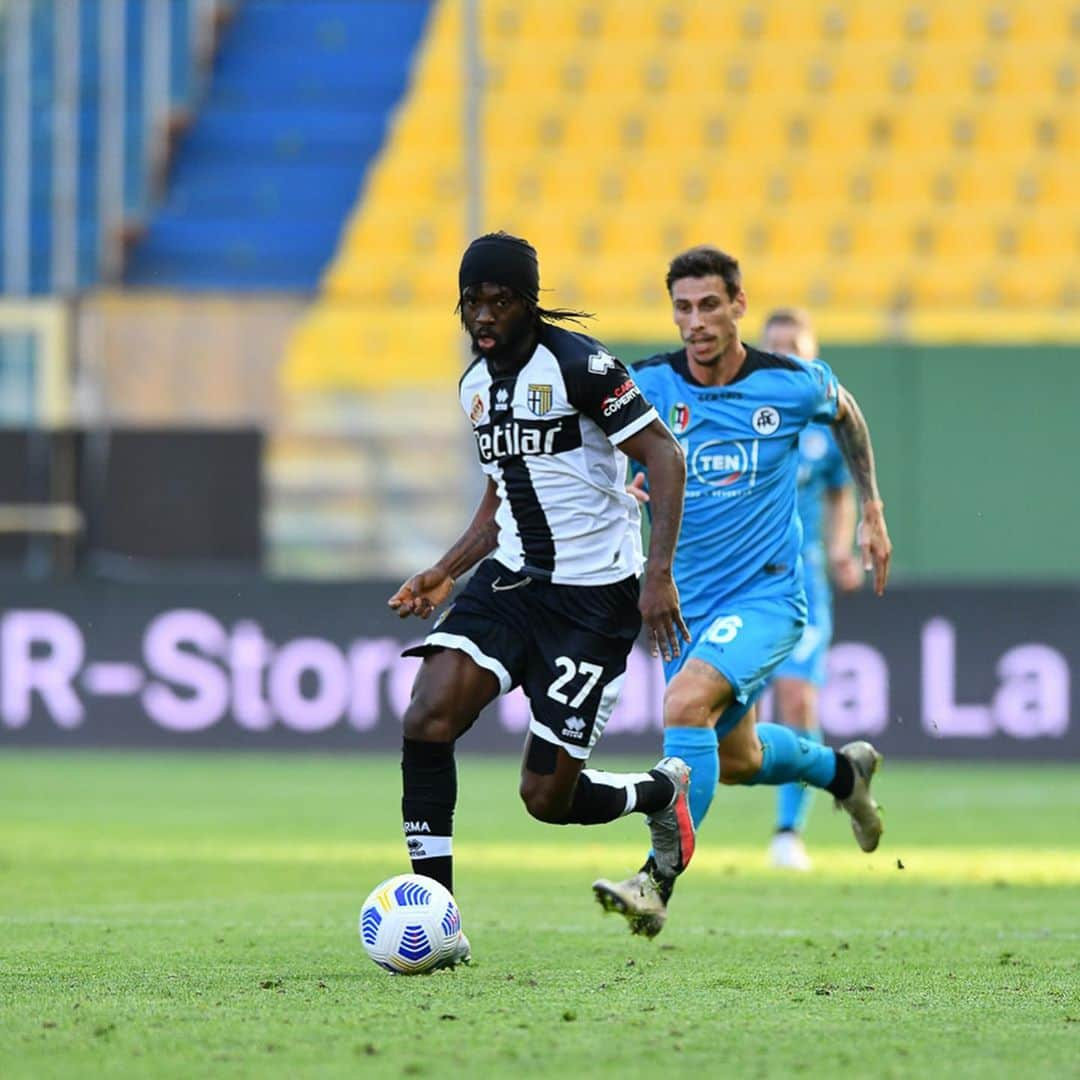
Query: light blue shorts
[745,640]
[808,659]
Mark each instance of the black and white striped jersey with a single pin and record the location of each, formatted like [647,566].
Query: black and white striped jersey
[548,436]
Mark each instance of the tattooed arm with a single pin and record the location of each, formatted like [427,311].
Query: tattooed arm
[853,437]
[423,592]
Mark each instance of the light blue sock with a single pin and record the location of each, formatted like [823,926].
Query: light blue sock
[697,747]
[793,800]
[787,756]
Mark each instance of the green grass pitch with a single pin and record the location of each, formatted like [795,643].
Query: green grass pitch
[195,915]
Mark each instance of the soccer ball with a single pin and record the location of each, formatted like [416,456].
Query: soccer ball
[409,924]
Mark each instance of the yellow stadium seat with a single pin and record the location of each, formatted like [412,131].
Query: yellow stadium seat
[947,282]
[862,282]
[1020,21]
[1031,71]
[874,70]
[1042,282]
[955,21]
[973,184]
[775,281]
[1056,181]
[603,283]
[859,23]
[569,20]
[1046,234]
[956,233]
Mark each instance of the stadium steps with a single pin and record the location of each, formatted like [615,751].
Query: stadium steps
[364,484]
[297,108]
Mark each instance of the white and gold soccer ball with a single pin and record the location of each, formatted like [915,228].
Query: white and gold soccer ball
[410,924]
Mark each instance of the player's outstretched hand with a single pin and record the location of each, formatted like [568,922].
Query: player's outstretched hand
[875,544]
[636,487]
[422,593]
[659,607]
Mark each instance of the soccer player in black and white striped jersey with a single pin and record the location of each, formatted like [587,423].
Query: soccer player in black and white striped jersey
[555,605]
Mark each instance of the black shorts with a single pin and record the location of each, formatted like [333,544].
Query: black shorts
[565,645]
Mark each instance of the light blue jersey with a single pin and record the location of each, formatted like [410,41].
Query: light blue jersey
[821,469]
[740,534]
[737,564]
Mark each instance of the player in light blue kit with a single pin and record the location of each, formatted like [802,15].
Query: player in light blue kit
[826,505]
[738,413]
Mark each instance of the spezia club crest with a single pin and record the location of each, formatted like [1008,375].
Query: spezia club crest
[765,420]
[679,418]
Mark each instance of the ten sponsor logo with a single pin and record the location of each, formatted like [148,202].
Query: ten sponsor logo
[620,396]
[720,464]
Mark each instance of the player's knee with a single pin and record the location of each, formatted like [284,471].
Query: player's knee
[684,706]
[429,720]
[740,765]
[544,802]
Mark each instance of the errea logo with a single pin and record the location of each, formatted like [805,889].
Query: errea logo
[600,363]
[574,728]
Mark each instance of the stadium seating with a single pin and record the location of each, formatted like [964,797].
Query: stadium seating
[298,106]
[60,34]
[893,163]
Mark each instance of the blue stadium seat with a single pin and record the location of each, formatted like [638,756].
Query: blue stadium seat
[298,107]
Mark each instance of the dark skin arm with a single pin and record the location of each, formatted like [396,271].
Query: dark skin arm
[655,448]
[423,592]
[853,438]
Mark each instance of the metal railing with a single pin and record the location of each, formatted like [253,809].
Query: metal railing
[123,70]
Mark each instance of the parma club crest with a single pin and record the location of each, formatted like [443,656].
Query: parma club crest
[539,398]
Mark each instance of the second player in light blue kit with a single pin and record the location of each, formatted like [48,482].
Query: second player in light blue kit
[826,506]
[739,412]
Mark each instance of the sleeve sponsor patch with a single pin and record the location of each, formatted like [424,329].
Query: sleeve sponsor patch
[620,397]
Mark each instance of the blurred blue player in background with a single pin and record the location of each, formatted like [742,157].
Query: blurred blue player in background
[826,503]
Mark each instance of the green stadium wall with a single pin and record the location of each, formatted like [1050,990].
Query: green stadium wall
[978,452]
